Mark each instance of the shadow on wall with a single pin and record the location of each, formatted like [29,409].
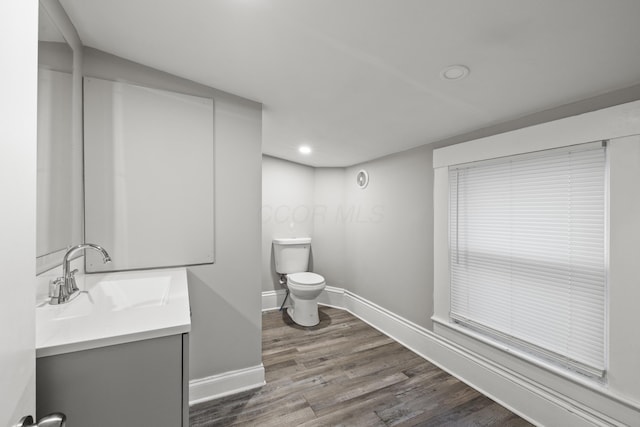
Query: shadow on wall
[275,277]
[211,318]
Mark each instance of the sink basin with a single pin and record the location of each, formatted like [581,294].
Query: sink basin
[113,295]
[114,308]
[130,293]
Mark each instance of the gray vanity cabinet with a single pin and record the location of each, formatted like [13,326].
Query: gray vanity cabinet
[140,383]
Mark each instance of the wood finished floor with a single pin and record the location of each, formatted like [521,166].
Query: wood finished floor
[345,373]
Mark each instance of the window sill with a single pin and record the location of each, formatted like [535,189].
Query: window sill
[596,384]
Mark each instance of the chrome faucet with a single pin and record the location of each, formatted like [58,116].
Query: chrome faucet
[65,287]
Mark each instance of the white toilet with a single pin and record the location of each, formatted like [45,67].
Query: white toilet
[292,262]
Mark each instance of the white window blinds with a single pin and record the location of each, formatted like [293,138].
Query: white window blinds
[528,252]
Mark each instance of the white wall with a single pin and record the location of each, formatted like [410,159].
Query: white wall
[619,398]
[224,296]
[18,123]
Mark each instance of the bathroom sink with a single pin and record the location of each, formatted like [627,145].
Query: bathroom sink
[113,295]
[114,308]
[130,293]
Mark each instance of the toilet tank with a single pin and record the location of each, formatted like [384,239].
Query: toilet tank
[292,254]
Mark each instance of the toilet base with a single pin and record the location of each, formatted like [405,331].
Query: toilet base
[304,312]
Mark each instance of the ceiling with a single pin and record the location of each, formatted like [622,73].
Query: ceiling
[359,79]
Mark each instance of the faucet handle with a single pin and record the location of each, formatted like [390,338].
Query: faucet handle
[58,292]
[54,289]
[72,281]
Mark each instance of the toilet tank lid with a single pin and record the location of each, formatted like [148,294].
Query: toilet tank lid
[293,241]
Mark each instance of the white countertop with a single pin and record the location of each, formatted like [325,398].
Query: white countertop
[115,308]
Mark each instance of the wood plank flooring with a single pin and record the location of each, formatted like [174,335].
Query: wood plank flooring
[345,373]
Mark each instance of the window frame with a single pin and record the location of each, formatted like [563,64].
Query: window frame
[513,345]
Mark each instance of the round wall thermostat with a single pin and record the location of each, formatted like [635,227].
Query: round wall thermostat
[362,178]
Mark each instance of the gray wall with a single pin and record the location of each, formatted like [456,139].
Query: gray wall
[287,209]
[330,215]
[55,56]
[301,201]
[389,240]
[375,242]
[224,296]
[400,276]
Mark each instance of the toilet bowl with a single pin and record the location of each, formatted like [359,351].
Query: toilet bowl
[292,261]
[304,290]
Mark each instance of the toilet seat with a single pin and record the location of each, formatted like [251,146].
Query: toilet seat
[305,289]
[305,279]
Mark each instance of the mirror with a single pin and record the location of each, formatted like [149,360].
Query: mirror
[149,172]
[58,199]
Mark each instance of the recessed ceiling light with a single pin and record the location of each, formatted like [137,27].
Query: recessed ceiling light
[455,72]
[305,149]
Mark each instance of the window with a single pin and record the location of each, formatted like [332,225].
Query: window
[527,253]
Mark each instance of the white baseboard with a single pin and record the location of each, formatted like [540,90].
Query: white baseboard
[530,399]
[272,300]
[332,297]
[227,383]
